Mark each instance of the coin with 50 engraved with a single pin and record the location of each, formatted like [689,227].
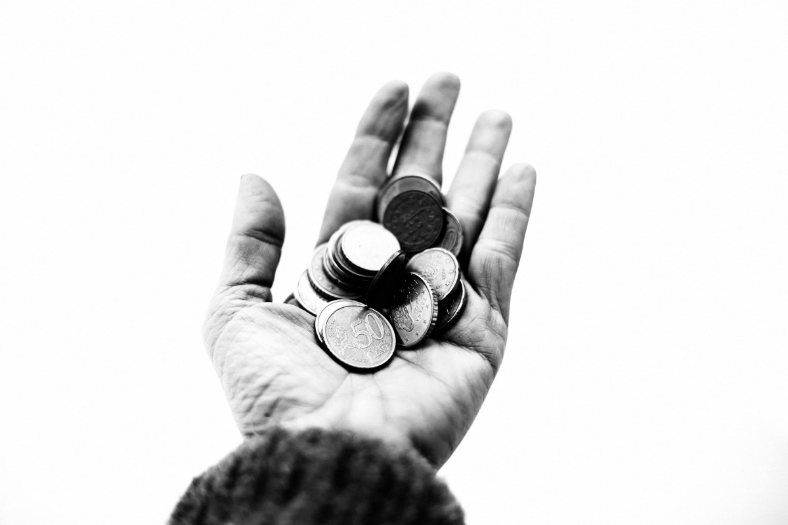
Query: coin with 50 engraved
[359,336]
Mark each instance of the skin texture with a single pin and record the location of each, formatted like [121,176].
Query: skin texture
[270,365]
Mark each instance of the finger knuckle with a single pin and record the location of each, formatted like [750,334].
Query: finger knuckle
[472,209]
[498,256]
[486,334]
[227,304]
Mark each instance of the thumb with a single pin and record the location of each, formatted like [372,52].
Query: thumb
[256,237]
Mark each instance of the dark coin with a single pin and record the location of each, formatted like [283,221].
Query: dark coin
[415,218]
[404,183]
[368,246]
[450,308]
[309,299]
[381,290]
[359,336]
[414,309]
[439,267]
[321,282]
[451,237]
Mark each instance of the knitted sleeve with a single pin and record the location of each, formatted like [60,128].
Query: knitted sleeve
[317,477]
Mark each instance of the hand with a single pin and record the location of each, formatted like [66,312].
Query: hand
[271,367]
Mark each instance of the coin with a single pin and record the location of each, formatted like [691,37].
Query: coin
[439,267]
[309,299]
[339,276]
[320,319]
[414,309]
[321,282]
[450,308]
[349,275]
[415,218]
[329,270]
[404,183]
[359,336]
[422,175]
[368,246]
[385,282]
[451,237]
[340,270]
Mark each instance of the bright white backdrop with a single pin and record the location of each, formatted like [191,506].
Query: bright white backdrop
[646,378]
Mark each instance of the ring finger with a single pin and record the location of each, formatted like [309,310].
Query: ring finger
[473,186]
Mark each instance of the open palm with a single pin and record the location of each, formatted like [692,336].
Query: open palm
[271,367]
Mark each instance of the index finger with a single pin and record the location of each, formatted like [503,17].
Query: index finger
[365,166]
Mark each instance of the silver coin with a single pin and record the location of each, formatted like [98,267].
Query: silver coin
[333,241]
[368,246]
[337,265]
[321,282]
[404,183]
[345,266]
[451,237]
[320,319]
[439,267]
[329,270]
[450,308]
[309,299]
[414,310]
[359,336]
[338,275]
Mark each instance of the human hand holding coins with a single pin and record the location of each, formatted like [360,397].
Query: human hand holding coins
[380,274]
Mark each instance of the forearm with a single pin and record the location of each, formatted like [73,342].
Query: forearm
[317,476]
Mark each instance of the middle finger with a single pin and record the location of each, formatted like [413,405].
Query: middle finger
[424,140]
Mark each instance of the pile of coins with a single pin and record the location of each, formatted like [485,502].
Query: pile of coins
[376,286]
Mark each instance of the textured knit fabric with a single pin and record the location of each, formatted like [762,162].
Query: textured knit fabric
[317,477]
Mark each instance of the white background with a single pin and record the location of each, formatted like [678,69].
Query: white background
[646,376]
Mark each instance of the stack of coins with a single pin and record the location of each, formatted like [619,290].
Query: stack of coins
[346,266]
[376,286]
